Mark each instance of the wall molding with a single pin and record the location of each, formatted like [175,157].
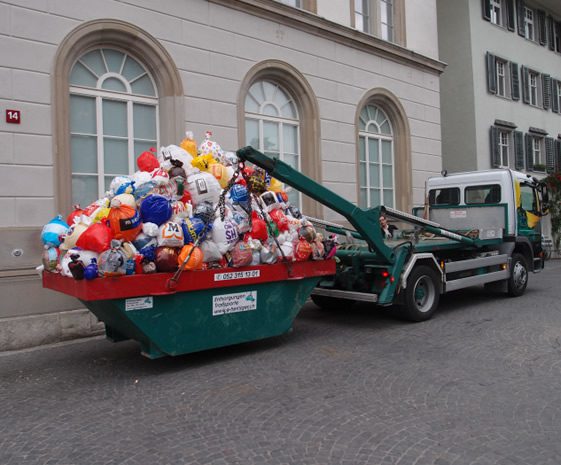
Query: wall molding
[316,25]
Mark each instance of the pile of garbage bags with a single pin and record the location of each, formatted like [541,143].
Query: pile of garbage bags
[190,207]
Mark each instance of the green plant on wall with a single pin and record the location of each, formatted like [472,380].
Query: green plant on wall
[553,181]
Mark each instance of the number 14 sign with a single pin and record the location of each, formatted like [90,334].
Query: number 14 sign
[13,116]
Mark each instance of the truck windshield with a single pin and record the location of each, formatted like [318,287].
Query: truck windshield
[528,198]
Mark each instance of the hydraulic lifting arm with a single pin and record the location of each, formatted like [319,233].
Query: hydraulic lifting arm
[366,222]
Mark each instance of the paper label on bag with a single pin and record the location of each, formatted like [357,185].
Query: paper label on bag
[234,303]
[139,303]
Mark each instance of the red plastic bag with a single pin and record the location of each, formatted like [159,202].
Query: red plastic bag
[76,212]
[147,161]
[303,250]
[96,238]
[280,219]
[258,228]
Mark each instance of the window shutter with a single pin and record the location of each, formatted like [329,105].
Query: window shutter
[514,81]
[546,91]
[491,73]
[525,83]
[510,15]
[558,155]
[555,94]
[550,33]
[495,153]
[549,155]
[518,150]
[529,154]
[541,27]
[557,36]
[486,5]
[520,14]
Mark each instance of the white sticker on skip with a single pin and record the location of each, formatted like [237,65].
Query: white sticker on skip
[139,303]
[237,275]
[234,303]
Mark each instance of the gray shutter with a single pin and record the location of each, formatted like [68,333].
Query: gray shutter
[486,5]
[510,15]
[546,91]
[549,155]
[550,33]
[529,154]
[495,153]
[514,81]
[518,150]
[557,36]
[541,27]
[558,155]
[491,73]
[525,83]
[520,15]
[555,95]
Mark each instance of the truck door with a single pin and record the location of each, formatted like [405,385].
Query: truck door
[529,216]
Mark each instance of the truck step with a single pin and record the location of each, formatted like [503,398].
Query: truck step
[351,295]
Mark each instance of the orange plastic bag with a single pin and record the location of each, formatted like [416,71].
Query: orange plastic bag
[124,222]
[195,261]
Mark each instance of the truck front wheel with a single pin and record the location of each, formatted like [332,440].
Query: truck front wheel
[519,275]
[421,294]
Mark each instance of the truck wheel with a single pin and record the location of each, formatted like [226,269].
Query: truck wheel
[331,303]
[421,294]
[519,276]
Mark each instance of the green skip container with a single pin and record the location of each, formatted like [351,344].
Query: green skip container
[203,310]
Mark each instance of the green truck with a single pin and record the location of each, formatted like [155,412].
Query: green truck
[476,228]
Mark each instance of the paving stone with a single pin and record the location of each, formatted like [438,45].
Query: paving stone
[478,384]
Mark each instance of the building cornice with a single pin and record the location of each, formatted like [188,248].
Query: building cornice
[314,24]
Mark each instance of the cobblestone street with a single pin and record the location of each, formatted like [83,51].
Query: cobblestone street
[478,384]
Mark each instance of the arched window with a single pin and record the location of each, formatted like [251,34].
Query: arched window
[272,125]
[376,158]
[100,68]
[113,118]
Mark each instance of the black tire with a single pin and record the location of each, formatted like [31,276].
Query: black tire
[331,303]
[519,275]
[422,294]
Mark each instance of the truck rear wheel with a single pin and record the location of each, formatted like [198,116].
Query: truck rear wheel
[519,276]
[421,294]
[331,303]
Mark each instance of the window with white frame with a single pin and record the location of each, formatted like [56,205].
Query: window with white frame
[376,17]
[557,95]
[504,148]
[362,16]
[376,159]
[501,78]
[272,125]
[113,119]
[497,12]
[537,154]
[533,79]
[386,20]
[529,24]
